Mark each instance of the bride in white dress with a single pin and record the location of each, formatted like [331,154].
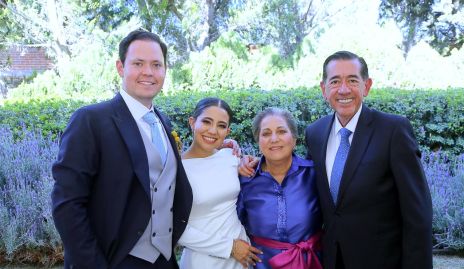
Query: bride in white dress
[214,237]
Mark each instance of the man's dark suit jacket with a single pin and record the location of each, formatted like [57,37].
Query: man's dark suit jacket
[383,218]
[101,197]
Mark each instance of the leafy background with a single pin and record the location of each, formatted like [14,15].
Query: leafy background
[251,53]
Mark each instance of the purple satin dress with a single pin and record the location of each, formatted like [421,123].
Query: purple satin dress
[288,213]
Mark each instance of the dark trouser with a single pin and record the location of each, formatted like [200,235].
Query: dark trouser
[339,264]
[131,262]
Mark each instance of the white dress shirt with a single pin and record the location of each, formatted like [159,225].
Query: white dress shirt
[138,110]
[334,140]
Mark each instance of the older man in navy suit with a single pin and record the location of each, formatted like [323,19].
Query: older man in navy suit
[374,197]
[121,198]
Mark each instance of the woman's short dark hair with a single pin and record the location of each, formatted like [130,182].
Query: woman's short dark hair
[273,111]
[209,102]
[140,34]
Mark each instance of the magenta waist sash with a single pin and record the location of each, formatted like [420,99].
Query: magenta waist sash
[293,257]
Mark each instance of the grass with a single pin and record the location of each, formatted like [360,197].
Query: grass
[448,262]
[439,262]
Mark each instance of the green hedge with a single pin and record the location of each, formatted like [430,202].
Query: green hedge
[436,115]
[49,116]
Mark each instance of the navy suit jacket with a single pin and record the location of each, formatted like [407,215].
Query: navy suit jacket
[383,218]
[101,198]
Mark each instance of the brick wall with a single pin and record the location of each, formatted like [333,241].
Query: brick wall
[27,58]
[19,62]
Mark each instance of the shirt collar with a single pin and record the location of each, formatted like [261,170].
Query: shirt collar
[135,107]
[351,124]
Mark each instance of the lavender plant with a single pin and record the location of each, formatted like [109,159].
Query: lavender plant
[445,177]
[25,185]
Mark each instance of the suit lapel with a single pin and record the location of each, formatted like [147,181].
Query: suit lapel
[323,153]
[361,139]
[132,138]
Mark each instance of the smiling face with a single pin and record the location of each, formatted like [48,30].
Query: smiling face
[344,88]
[210,129]
[276,141]
[143,71]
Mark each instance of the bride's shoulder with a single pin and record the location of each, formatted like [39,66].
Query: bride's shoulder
[225,152]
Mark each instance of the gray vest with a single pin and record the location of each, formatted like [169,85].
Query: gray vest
[157,237]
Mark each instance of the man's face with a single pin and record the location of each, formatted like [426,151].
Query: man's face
[143,71]
[344,88]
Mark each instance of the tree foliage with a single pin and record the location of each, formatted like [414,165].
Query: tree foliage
[187,25]
[192,25]
[288,22]
[440,23]
[108,14]
[45,22]
[284,23]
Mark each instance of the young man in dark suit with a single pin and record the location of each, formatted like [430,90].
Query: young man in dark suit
[121,198]
[374,196]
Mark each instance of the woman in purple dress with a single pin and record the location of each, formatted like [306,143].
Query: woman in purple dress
[279,205]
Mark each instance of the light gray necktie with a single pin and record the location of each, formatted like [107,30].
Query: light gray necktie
[156,137]
[339,163]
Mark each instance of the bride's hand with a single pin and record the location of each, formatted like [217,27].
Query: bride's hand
[245,253]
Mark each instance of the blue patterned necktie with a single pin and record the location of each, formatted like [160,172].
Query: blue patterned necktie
[156,137]
[339,163]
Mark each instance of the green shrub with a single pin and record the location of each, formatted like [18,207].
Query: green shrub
[90,73]
[436,116]
[26,155]
[50,115]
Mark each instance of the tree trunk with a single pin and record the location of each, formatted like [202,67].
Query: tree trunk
[55,25]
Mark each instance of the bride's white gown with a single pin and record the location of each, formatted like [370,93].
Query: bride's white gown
[213,223]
